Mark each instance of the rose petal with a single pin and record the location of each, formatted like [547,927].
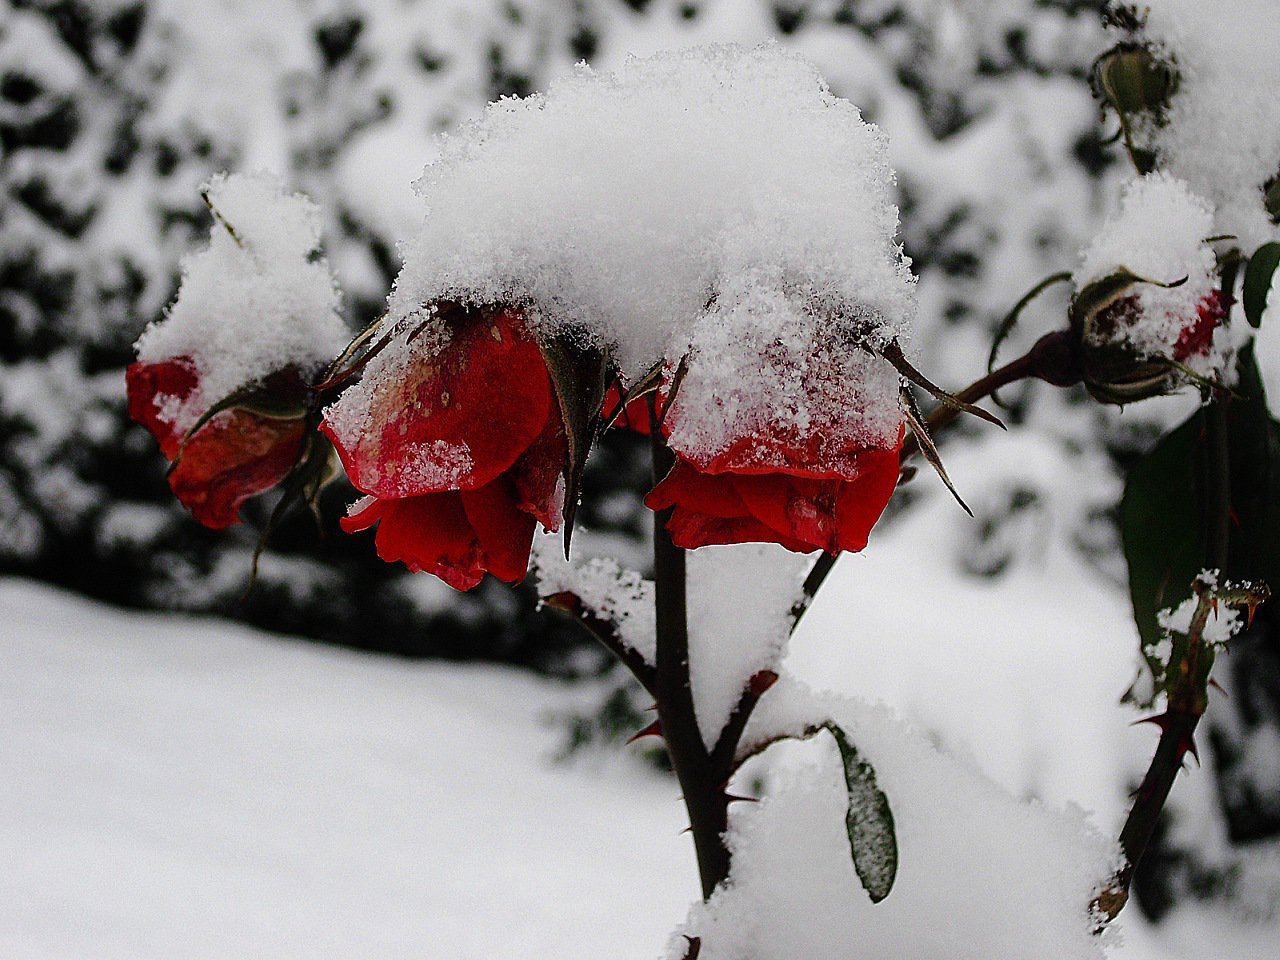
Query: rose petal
[537,474]
[429,533]
[149,385]
[503,531]
[231,458]
[456,421]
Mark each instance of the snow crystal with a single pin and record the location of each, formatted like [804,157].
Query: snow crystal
[980,874]
[1223,131]
[618,596]
[761,365]
[256,301]
[1158,234]
[739,622]
[620,205]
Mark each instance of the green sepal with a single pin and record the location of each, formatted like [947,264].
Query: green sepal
[1257,281]
[579,373]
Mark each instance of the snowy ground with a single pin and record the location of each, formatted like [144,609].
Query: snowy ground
[176,787]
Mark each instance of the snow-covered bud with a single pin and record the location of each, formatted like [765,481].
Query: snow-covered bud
[1147,307]
[224,381]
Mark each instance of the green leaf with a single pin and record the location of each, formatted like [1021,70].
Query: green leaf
[1257,281]
[869,821]
[578,374]
[1162,514]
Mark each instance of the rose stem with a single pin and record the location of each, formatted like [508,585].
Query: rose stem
[704,794]
[1187,700]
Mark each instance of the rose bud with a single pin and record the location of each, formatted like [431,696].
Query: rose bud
[241,447]
[1147,305]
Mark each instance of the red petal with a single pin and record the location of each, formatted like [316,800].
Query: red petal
[456,421]
[860,502]
[503,531]
[687,487]
[151,384]
[1197,337]
[709,510]
[428,533]
[234,456]
[536,475]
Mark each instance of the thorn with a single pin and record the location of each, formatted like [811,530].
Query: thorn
[650,709]
[652,730]
[695,947]
[762,681]
[1231,515]
[731,797]
[688,829]
[1163,721]
[1213,682]
[1188,745]
[1213,605]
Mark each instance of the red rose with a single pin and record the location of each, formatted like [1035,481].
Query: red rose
[1197,336]
[234,455]
[727,500]
[462,454]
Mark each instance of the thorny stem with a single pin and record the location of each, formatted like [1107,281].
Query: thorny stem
[604,632]
[1187,700]
[702,785]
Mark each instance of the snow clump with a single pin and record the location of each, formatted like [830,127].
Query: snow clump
[619,207]
[258,300]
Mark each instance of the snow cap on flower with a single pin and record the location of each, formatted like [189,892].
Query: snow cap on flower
[772,384]
[255,302]
[1146,290]
[617,206]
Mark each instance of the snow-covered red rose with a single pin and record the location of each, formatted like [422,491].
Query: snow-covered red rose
[456,436]
[222,382]
[1147,310]
[786,426]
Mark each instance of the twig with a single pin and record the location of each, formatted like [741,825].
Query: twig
[570,603]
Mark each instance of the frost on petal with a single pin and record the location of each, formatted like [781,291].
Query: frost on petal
[773,385]
[156,392]
[426,418]
[1158,234]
